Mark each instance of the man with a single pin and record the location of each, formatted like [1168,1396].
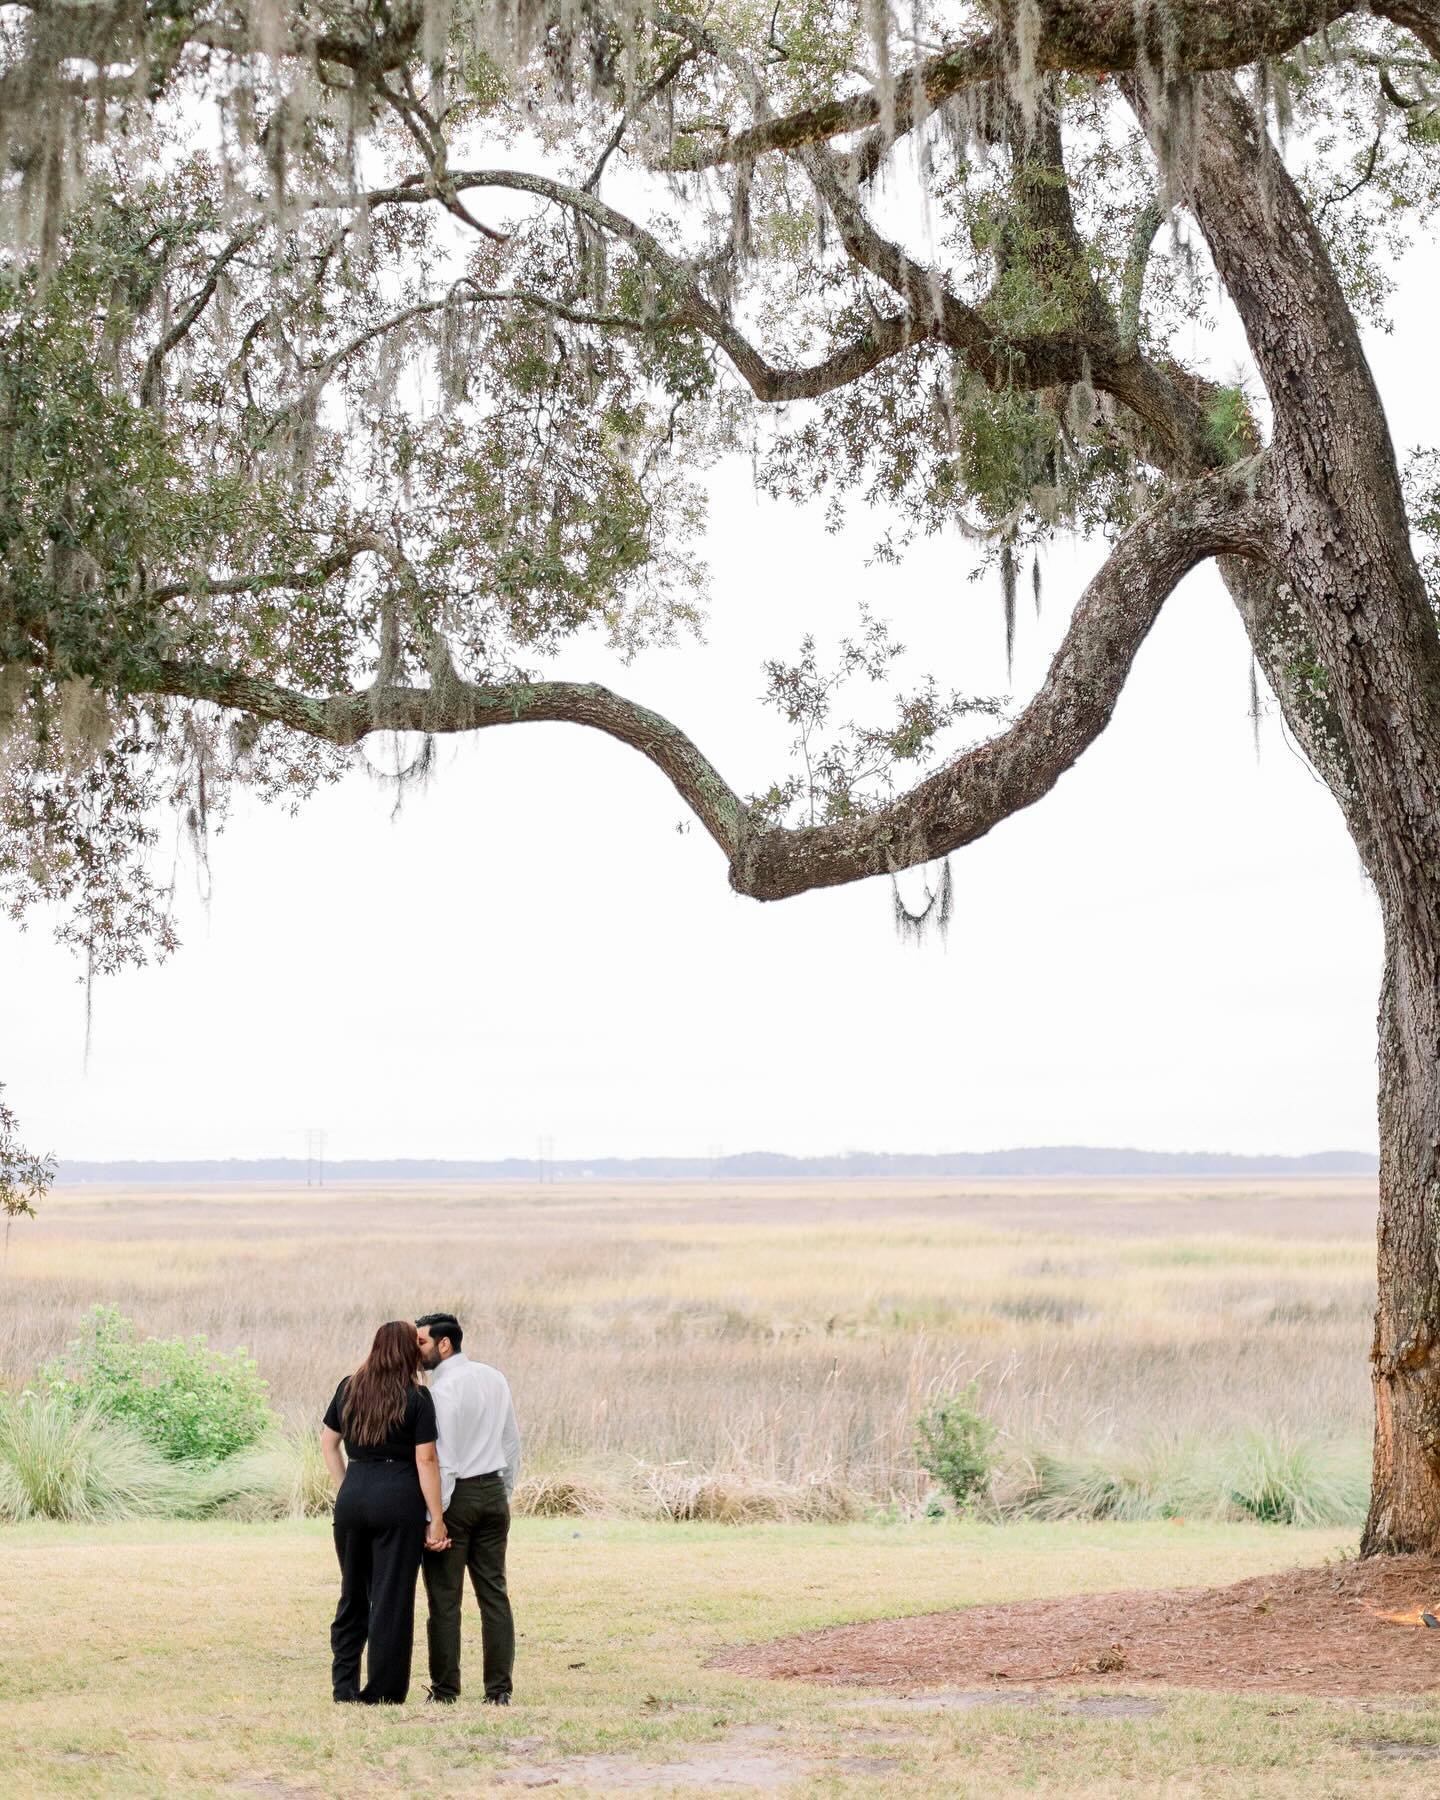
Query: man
[479,1450]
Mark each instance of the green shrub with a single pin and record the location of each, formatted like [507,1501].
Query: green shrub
[192,1403]
[954,1445]
[62,1461]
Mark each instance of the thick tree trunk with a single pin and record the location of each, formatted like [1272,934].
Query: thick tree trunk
[1367,647]
[1405,1493]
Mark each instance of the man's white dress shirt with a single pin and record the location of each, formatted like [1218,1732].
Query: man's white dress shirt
[475,1417]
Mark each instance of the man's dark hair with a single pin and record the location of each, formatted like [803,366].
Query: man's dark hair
[443,1325]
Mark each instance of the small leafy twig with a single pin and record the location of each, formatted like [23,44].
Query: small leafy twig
[24,1177]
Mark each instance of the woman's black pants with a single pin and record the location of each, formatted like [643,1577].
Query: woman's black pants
[379,1536]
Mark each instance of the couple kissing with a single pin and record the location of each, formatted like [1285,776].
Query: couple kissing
[424,1483]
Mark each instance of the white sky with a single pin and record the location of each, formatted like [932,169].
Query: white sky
[1177,949]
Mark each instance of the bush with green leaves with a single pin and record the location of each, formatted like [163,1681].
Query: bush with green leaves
[955,1446]
[194,1404]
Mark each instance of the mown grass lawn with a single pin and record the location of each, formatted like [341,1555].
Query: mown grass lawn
[182,1659]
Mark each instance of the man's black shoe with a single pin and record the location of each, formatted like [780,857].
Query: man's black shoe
[434,1699]
[497,1700]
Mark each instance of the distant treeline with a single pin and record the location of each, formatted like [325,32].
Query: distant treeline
[1053,1160]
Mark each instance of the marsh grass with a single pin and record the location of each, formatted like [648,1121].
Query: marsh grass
[1145,1351]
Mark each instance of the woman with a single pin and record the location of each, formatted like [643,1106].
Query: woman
[386,1421]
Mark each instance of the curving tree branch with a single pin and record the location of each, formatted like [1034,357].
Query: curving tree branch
[881,339]
[689,308]
[1167,403]
[1419,17]
[1082,37]
[453,704]
[1225,513]
[1168,409]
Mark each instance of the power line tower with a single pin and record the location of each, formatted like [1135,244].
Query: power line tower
[314,1158]
[545,1158]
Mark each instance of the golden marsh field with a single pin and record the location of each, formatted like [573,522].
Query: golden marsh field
[771,1343]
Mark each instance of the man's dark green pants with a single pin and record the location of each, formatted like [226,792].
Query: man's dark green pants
[478,1520]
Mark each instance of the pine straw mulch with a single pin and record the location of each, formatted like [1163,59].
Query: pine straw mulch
[1305,1631]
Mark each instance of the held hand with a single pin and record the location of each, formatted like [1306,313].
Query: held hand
[437,1538]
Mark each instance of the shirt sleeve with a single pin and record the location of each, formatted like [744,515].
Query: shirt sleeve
[426,1430]
[510,1444]
[332,1411]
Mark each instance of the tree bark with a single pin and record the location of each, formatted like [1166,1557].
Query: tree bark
[1405,1356]
[1349,573]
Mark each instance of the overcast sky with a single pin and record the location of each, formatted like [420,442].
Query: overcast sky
[1177,949]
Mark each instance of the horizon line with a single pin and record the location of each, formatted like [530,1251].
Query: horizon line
[1062,1159]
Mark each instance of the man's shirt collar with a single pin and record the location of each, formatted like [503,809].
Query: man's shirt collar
[455,1356]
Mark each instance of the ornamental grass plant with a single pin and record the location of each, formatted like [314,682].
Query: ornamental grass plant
[63,1461]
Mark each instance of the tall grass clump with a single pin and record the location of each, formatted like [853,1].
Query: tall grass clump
[283,1476]
[1158,1478]
[559,1496]
[681,1495]
[62,1461]
[1284,1480]
[1271,1477]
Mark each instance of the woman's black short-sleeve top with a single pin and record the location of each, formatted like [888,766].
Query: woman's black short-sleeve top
[417,1427]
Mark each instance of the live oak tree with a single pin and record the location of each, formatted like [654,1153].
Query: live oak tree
[353,356]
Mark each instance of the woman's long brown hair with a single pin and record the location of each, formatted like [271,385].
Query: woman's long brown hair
[379,1388]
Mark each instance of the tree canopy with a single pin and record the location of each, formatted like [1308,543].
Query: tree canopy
[353,357]
[356,355]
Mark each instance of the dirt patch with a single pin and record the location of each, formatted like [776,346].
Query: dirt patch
[749,1757]
[1399,1749]
[615,1774]
[1094,1706]
[259,1788]
[1110,1706]
[1306,1631]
